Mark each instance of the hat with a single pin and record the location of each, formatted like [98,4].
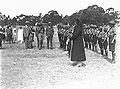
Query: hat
[86,26]
[100,28]
[93,26]
[112,22]
[27,22]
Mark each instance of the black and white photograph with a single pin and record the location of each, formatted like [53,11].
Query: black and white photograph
[59,44]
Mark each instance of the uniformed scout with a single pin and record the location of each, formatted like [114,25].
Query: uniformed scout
[105,41]
[100,40]
[60,35]
[94,38]
[65,37]
[112,39]
[40,35]
[86,36]
[1,36]
[30,39]
[26,33]
[90,37]
[49,35]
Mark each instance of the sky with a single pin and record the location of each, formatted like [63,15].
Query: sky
[65,7]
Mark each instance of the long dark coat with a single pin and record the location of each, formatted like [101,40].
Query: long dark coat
[78,52]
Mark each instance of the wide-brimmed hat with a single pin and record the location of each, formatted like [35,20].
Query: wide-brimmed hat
[86,26]
[93,26]
[112,22]
[100,28]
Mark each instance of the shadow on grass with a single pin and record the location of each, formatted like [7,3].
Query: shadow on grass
[108,59]
[3,48]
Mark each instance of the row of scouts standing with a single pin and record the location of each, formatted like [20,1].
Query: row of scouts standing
[98,39]
[103,36]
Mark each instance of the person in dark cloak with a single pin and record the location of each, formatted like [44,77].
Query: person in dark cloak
[78,51]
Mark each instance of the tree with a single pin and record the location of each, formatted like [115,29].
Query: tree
[53,17]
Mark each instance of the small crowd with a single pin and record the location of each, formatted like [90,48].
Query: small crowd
[95,38]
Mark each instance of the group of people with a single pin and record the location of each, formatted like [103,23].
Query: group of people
[103,36]
[92,37]
[25,34]
[72,38]
[42,31]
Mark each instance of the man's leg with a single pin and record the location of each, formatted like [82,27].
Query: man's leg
[26,42]
[48,40]
[51,42]
[113,57]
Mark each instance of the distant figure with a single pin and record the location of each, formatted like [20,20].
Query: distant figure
[78,52]
[40,35]
[20,35]
[4,37]
[1,36]
[26,33]
[9,34]
[30,38]
[49,35]
[112,39]
[14,34]
[60,35]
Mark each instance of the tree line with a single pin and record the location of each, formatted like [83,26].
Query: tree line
[91,15]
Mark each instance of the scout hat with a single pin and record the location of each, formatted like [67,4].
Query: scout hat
[112,22]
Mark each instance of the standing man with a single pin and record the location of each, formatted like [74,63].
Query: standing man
[100,39]
[4,37]
[9,34]
[14,34]
[105,41]
[86,36]
[94,38]
[1,36]
[49,35]
[30,38]
[112,39]
[40,35]
[26,33]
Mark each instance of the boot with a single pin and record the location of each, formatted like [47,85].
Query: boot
[106,53]
[89,46]
[101,51]
[96,49]
[113,57]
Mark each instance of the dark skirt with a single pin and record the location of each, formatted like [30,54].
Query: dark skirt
[78,52]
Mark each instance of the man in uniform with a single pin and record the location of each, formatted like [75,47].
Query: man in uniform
[30,37]
[89,32]
[1,36]
[26,33]
[85,37]
[105,41]
[94,38]
[49,35]
[65,37]
[112,39]
[59,35]
[100,40]
[40,35]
